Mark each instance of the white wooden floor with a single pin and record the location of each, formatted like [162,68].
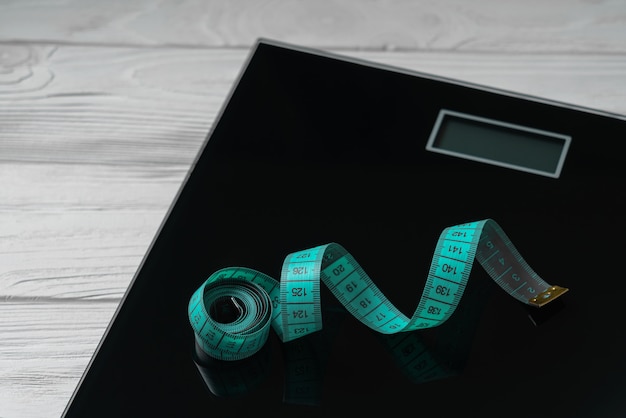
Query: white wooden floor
[104,104]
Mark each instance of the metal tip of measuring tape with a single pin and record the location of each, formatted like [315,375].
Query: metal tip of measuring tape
[547,295]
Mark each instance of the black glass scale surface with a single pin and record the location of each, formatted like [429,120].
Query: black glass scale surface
[313,148]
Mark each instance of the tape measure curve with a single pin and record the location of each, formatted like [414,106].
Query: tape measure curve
[232,312]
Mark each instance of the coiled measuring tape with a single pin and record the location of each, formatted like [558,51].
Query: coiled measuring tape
[232,312]
[420,358]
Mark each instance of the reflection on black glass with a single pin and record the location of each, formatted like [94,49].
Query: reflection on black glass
[442,354]
[232,378]
[306,358]
[446,350]
[305,361]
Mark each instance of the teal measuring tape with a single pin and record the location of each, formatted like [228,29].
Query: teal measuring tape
[232,312]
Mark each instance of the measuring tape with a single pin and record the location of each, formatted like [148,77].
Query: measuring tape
[420,358]
[232,312]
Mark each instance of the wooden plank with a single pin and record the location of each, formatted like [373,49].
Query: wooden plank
[45,348]
[78,232]
[113,105]
[451,25]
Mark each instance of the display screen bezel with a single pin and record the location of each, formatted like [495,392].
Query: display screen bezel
[518,144]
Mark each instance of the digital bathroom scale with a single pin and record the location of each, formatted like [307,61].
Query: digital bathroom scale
[313,148]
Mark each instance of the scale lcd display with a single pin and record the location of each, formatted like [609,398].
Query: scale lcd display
[499,143]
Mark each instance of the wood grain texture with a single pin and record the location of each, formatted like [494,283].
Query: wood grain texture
[486,25]
[104,105]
